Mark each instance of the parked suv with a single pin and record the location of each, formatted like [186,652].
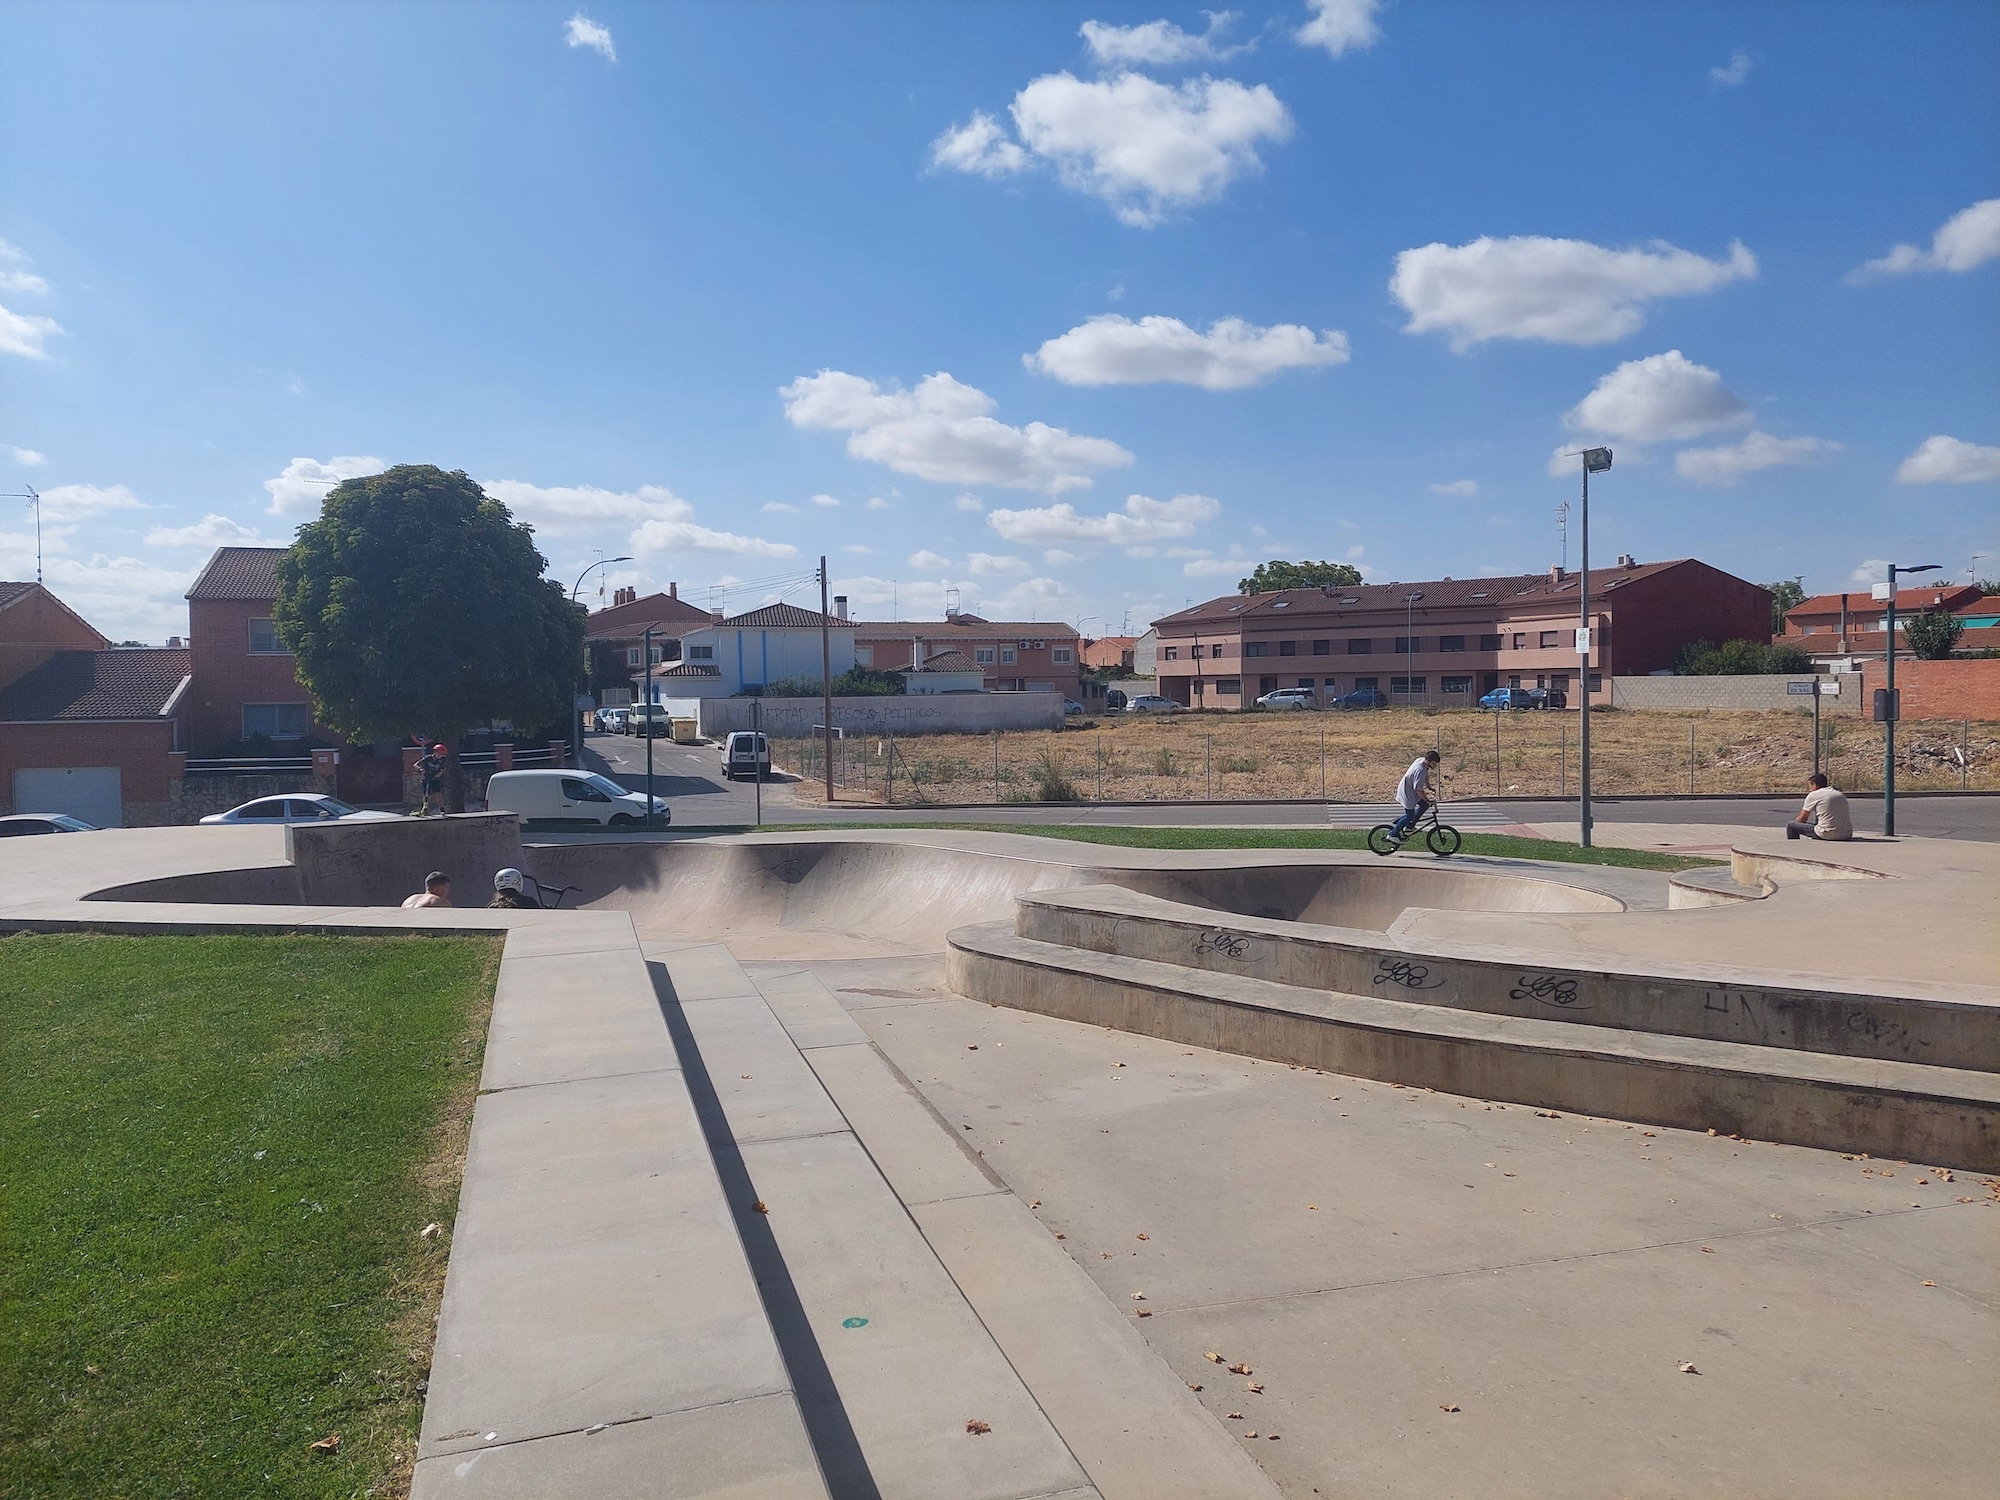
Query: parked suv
[1509,697]
[649,721]
[746,753]
[1551,698]
[612,720]
[1362,698]
[1150,703]
[1290,698]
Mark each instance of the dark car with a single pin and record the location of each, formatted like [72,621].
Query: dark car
[1551,698]
[1361,698]
[1114,700]
[21,823]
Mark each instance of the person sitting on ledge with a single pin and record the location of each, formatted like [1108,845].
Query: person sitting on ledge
[510,890]
[436,891]
[1824,815]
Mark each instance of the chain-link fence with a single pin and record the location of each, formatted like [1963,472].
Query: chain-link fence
[1358,757]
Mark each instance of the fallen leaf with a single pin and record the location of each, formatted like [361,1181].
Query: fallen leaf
[1506,1174]
[1708,1249]
[1118,1065]
[1239,1369]
[1255,1388]
[1930,1283]
[974,1426]
[1236,1416]
[1193,1385]
[1251,1433]
[1311,1207]
[1145,1312]
[1688,1369]
[1062,1236]
[1448,1406]
[969,1047]
[93,1370]
[1036,1204]
[761,1206]
[1270,1437]
[1210,1354]
[1138,1296]
[430,1231]
[1711,1132]
[1142,1236]
[328,1444]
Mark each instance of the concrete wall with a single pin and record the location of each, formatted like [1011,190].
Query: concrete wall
[378,864]
[953,713]
[1731,693]
[1938,689]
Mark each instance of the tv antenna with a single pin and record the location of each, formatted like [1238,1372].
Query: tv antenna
[28,494]
[1562,524]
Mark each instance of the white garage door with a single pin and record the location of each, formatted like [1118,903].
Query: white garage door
[92,793]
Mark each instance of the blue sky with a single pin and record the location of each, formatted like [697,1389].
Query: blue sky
[1079,309]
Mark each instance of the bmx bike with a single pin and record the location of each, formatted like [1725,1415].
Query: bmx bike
[1440,837]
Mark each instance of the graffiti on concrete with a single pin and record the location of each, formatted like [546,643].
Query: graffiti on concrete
[1549,989]
[1410,976]
[1227,944]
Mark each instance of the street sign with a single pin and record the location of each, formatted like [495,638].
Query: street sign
[1583,640]
[1880,591]
[1829,687]
[1798,689]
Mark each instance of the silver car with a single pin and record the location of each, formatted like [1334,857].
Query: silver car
[1150,703]
[300,807]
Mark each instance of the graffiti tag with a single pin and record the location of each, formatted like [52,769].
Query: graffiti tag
[1549,989]
[1228,944]
[1410,976]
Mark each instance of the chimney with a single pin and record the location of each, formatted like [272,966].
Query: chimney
[916,652]
[840,606]
[1843,622]
[1626,560]
[673,590]
[1556,574]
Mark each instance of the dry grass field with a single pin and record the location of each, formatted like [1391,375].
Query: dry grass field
[1357,757]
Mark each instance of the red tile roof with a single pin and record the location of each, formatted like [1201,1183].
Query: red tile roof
[129,684]
[1860,600]
[947,661]
[621,621]
[1440,593]
[784,617]
[969,625]
[239,573]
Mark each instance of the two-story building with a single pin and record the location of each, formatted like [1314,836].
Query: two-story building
[1851,627]
[747,652]
[1447,641]
[621,627]
[1015,656]
[246,683]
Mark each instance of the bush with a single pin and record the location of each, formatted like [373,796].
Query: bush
[1051,784]
[855,682]
[1739,658]
[1932,634]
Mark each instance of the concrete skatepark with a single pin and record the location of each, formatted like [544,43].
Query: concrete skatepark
[932,1162]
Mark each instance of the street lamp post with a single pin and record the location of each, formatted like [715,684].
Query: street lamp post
[1410,645]
[1889,713]
[576,709]
[1595,461]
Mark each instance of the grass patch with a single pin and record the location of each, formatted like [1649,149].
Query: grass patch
[1499,845]
[218,1153]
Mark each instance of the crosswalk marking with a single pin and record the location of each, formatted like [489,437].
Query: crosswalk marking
[1457,814]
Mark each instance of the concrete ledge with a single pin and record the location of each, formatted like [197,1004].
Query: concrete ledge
[1722,1005]
[1692,890]
[1902,1110]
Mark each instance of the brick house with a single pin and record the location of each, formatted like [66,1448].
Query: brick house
[623,625]
[1447,641]
[1016,656]
[245,682]
[723,658]
[85,729]
[1849,627]
[1111,651]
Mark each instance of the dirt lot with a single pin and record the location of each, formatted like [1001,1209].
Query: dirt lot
[1359,756]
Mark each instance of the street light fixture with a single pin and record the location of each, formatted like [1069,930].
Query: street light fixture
[1595,461]
[576,709]
[1410,645]
[1889,704]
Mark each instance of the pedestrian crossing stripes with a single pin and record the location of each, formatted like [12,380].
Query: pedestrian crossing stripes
[1457,814]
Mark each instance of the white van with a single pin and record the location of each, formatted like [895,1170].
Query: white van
[570,797]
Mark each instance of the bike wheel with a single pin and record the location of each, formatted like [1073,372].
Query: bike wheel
[1443,840]
[1382,839]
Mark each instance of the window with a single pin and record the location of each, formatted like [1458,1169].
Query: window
[983,655]
[270,810]
[1520,643]
[1457,684]
[575,790]
[1062,656]
[1514,680]
[1408,685]
[701,653]
[1596,682]
[1267,684]
[1216,650]
[1288,648]
[1560,682]
[1549,637]
[1233,686]
[1255,648]
[1322,648]
[264,639]
[659,655]
[281,721]
[1491,642]
[1009,654]
[1489,681]
[1360,647]
[1367,684]
[1194,652]
[631,656]
[1409,643]
[864,656]
[1451,643]
[1170,653]
[1305,682]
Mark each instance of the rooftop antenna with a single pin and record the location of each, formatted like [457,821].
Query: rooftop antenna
[1562,522]
[35,500]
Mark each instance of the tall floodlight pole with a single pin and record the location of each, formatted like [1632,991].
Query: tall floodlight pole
[576,709]
[1595,461]
[1889,714]
[826,680]
[1410,645]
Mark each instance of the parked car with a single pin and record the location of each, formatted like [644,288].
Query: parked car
[1551,698]
[1361,698]
[1290,698]
[300,807]
[649,721]
[612,720]
[570,797]
[746,753]
[1071,706]
[1508,697]
[22,823]
[1114,700]
[1150,703]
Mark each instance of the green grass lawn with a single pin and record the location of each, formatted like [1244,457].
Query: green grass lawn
[216,1158]
[1499,844]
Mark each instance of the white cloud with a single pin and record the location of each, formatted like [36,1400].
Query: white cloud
[942,431]
[1466,487]
[826,501]
[1949,460]
[1143,519]
[980,146]
[1340,25]
[1055,557]
[1731,73]
[1142,552]
[78,502]
[1158,43]
[1212,567]
[971,504]
[1969,238]
[1663,397]
[305,481]
[779,508]
[1356,552]
[685,536]
[928,559]
[1110,349]
[987,562]
[1139,145]
[24,333]
[857,549]
[21,281]
[28,458]
[581,31]
[1560,291]
[876,502]
[210,532]
[661,520]
[1757,450]
[1874,570]
[127,598]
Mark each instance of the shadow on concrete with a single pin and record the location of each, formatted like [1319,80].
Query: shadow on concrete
[848,1476]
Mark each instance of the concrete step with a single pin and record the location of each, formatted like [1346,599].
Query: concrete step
[1910,1111]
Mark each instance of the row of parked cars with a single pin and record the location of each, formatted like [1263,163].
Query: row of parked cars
[1498,698]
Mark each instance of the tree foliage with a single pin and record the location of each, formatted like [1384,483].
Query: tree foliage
[417,602]
[1268,578]
[1934,634]
[1740,658]
[855,682]
[1787,594]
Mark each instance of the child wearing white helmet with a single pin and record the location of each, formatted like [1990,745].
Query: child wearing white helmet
[510,890]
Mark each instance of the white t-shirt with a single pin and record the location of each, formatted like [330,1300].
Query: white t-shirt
[1827,807]
[1416,781]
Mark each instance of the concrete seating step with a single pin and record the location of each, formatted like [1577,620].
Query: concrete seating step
[1911,1111]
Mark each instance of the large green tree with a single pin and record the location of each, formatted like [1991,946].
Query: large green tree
[1934,634]
[417,603]
[1787,594]
[1277,574]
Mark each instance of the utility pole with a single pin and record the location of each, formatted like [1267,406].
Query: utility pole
[825,679]
[1595,461]
[1890,708]
[646,700]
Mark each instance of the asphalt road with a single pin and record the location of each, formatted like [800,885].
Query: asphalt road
[690,778]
